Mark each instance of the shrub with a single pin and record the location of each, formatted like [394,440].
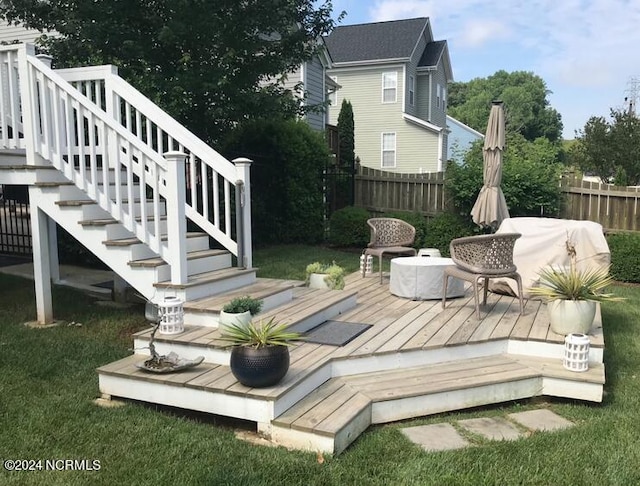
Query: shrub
[625,256]
[348,227]
[286,179]
[530,177]
[445,227]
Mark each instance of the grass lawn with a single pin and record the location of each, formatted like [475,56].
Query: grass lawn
[48,384]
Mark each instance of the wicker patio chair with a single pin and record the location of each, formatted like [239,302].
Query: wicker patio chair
[483,258]
[389,235]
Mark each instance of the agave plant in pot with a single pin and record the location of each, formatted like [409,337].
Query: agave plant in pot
[572,295]
[239,311]
[260,354]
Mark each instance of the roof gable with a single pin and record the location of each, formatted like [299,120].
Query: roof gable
[377,41]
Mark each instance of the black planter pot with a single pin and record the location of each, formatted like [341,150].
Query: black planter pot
[259,367]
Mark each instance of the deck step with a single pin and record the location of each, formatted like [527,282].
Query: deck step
[203,339]
[336,408]
[135,241]
[272,292]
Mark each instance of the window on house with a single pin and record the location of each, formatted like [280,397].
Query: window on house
[412,90]
[444,98]
[438,88]
[333,97]
[388,150]
[389,87]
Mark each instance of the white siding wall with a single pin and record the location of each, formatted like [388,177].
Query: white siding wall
[10,33]
[416,147]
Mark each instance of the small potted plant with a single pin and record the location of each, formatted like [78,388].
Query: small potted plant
[239,311]
[325,276]
[572,294]
[260,354]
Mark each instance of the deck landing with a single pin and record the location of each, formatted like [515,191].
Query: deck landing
[416,359]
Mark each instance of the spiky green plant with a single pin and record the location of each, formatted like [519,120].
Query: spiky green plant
[260,334]
[573,284]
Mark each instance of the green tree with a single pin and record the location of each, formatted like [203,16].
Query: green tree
[287,203]
[530,177]
[346,134]
[524,94]
[610,149]
[206,63]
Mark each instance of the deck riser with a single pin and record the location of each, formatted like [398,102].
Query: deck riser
[210,288]
[187,398]
[206,318]
[194,266]
[423,405]
[549,350]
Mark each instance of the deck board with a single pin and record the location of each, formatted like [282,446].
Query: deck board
[382,374]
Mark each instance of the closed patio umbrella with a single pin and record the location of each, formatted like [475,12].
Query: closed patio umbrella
[490,207]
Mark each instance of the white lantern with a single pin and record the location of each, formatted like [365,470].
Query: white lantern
[576,352]
[367,263]
[171,315]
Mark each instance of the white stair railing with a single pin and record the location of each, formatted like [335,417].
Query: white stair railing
[210,178]
[11,129]
[100,130]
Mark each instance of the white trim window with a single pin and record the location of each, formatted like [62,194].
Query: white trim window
[388,159]
[412,90]
[444,98]
[390,87]
[333,95]
[438,95]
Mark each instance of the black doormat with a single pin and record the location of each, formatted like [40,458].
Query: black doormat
[335,333]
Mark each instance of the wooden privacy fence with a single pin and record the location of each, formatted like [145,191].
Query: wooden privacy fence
[615,208]
[380,191]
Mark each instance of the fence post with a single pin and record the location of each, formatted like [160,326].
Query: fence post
[243,211]
[176,219]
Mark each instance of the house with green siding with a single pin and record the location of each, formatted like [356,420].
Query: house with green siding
[395,75]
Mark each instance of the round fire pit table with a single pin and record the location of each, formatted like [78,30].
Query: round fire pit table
[420,278]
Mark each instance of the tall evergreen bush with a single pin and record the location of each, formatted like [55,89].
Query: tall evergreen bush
[286,179]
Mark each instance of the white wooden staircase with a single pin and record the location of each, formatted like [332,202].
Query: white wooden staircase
[123,178]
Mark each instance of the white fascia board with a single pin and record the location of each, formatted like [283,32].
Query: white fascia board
[370,62]
[422,123]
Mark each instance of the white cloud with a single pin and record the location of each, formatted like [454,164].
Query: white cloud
[401,9]
[476,33]
[585,49]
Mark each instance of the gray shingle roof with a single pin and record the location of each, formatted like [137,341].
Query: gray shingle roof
[432,53]
[380,40]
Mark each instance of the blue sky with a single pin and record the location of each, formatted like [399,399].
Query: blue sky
[587,51]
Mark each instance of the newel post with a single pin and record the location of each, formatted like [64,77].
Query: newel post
[176,220]
[243,211]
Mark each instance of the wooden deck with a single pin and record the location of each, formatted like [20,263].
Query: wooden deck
[416,359]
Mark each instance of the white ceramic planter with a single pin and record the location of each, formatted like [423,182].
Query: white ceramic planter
[317,281]
[238,319]
[571,316]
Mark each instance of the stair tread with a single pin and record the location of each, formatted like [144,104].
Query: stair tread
[134,241]
[262,288]
[206,277]
[192,255]
[98,222]
[318,412]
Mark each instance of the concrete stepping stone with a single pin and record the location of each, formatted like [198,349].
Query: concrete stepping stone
[436,437]
[492,428]
[540,420]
